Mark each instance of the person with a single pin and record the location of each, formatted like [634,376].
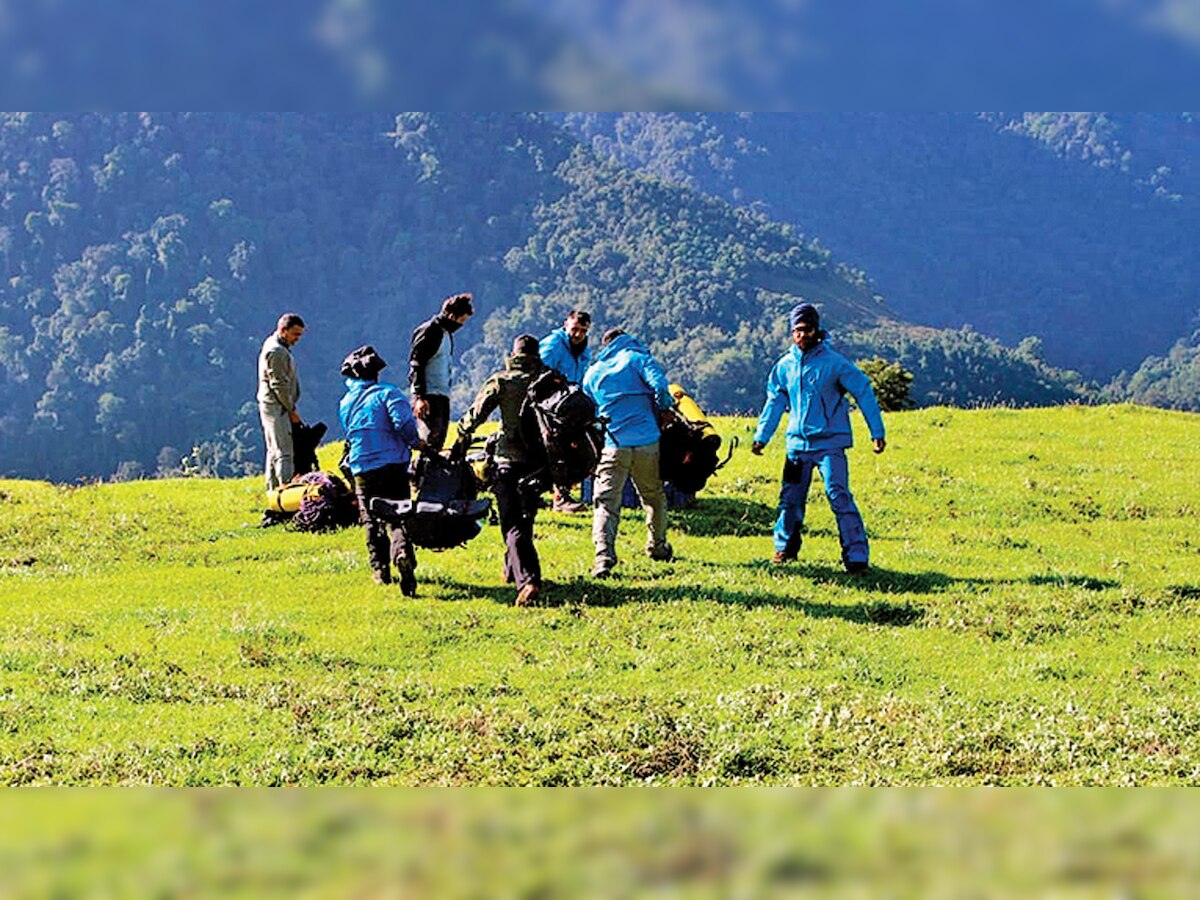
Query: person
[429,367]
[278,395]
[810,382]
[381,434]
[566,351]
[630,389]
[517,501]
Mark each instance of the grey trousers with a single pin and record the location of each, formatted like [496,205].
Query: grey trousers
[618,464]
[281,460]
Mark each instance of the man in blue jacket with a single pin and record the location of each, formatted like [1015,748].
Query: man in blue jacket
[630,389]
[566,351]
[810,382]
[381,434]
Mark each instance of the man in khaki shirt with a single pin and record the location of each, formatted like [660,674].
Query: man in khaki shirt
[278,394]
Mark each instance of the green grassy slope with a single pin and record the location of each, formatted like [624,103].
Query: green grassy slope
[1031,618]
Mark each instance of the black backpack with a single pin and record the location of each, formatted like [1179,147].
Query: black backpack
[447,512]
[689,452]
[305,439]
[567,428]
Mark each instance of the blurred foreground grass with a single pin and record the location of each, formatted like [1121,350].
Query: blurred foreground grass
[597,842]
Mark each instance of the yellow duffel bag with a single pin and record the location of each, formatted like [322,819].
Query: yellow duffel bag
[287,499]
[690,410]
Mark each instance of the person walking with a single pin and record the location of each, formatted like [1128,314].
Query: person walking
[381,433]
[810,382]
[629,389]
[566,351]
[517,501]
[429,367]
[278,395]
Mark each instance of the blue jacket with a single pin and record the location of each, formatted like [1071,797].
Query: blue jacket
[555,350]
[378,424]
[629,388]
[811,386]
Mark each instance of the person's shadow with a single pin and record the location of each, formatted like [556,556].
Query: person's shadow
[615,592]
[720,516]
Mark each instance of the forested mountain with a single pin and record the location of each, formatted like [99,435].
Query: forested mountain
[1077,228]
[1171,381]
[146,256]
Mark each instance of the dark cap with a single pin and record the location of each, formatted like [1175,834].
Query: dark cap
[363,363]
[806,313]
[525,345]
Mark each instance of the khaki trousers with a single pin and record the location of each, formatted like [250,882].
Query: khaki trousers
[617,464]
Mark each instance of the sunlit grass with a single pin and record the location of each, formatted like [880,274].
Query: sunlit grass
[1031,619]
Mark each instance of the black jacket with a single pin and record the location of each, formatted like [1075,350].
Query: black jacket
[426,340]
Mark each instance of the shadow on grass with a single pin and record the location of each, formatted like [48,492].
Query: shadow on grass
[611,593]
[1086,582]
[894,582]
[718,516]
[876,579]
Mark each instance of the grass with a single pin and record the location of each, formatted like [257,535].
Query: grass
[1031,618]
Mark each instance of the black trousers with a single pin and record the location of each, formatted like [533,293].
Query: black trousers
[385,543]
[517,509]
[437,421]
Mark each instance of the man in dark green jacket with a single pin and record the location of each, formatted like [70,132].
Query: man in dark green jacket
[516,503]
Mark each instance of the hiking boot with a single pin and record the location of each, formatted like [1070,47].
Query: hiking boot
[602,570]
[381,576]
[564,504]
[664,552]
[783,556]
[527,596]
[408,581]
[857,568]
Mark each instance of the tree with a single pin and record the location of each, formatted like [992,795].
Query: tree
[891,381]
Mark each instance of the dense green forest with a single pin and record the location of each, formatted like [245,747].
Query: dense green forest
[1076,228]
[146,256]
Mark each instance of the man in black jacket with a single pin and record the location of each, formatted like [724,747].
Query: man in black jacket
[429,367]
[517,502]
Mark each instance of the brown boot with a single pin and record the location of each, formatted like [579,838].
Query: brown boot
[564,504]
[783,556]
[527,596]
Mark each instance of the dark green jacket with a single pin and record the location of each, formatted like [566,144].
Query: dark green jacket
[504,391]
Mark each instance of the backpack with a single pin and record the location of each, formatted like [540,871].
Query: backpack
[446,512]
[567,428]
[305,439]
[327,504]
[689,452]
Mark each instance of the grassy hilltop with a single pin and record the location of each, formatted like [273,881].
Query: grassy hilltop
[1031,618]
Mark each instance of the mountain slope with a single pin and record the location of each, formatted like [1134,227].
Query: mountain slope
[1003,223]
[146,257]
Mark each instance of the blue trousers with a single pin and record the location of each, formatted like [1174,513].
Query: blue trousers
[793,500]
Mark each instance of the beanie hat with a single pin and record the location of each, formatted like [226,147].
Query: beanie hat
[525,345]
[806,313]
[363,363]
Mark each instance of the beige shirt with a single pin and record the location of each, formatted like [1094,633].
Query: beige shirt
[278,381]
